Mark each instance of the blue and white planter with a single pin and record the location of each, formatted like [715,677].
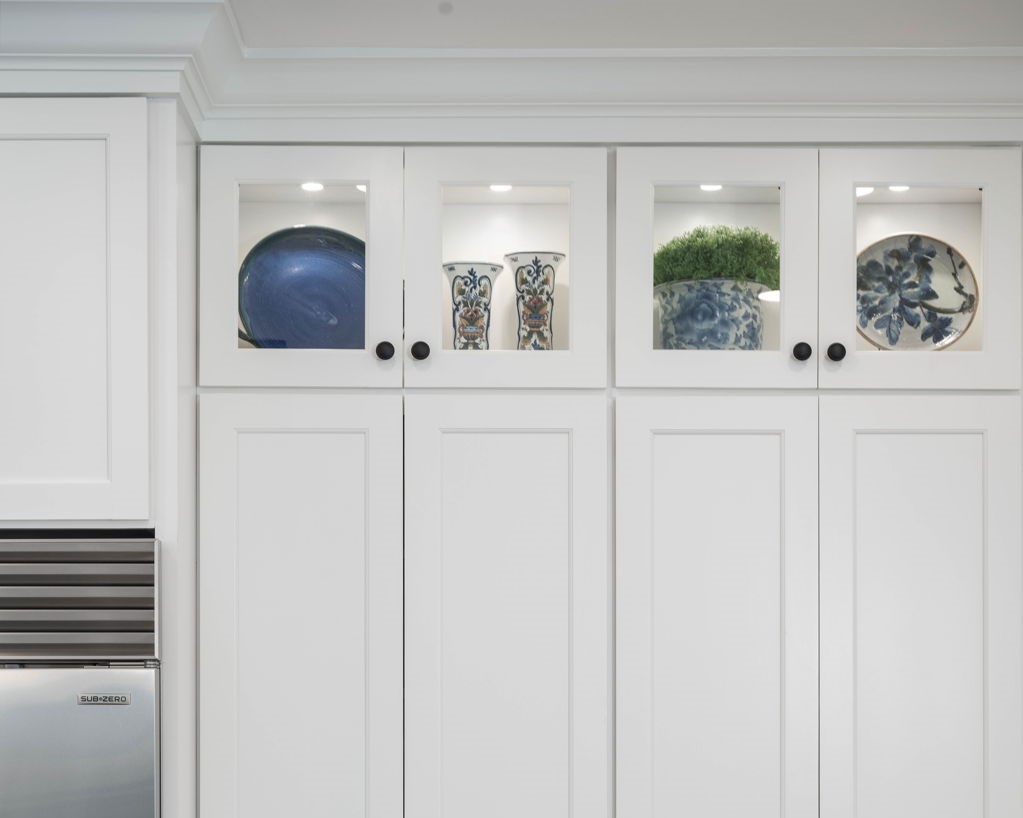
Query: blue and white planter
[472,288]
[711,313]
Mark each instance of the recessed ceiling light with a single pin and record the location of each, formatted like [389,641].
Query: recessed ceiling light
[360,188]
[312,187]
[710,188]
[864,191]
[898,188]
[500,188]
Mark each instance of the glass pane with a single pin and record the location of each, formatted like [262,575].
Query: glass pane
[302,265]
[918,267]
[716,282]
[505,272]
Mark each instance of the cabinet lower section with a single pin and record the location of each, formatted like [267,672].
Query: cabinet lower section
[919,608]
[406,606]
[507,675]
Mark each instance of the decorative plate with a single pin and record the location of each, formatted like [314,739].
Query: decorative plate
[913,292]
[304,288]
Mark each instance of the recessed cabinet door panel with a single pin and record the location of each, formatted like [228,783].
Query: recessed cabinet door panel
[716,649]
[74,429]
[920,268]
[921,607]
[300,606]
[716,278]
[507,620]
[300,265]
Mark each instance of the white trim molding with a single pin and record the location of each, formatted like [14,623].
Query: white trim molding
[194,50]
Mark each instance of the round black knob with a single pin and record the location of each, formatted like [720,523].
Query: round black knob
[836,352]
[802,351]
[385,350]
[420,350]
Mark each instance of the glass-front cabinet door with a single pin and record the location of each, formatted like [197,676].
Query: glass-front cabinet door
[920,268]
[505,267]
[300,266]
[716,267]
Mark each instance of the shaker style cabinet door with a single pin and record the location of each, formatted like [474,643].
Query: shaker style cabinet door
[300,266]
[300,606]
[716,645]
[921,612]
[506,267]
[507,613]
[920,268]
[716,275]
[74,421]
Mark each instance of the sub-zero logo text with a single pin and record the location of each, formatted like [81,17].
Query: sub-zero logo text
[104,698]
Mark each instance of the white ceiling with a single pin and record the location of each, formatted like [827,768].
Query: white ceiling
[574,24]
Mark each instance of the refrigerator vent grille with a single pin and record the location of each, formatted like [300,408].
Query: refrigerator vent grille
[80,599]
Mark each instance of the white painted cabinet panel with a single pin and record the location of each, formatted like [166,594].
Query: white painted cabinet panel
[332,299]
[921,607]
[74,422]
[300,599]
[716,644]
[507,616]
[965,206]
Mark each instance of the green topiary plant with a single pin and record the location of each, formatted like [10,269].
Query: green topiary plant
[719,251]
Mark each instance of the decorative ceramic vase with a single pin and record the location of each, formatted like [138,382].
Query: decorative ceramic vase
[711,313]
[472,287]
[534,285]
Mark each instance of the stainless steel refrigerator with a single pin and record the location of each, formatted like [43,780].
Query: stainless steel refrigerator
[79,679]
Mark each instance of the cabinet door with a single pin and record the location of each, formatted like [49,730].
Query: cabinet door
[74,427]
[716,646]
[506,266]
[920,607]
[920,253]
[726,212]
[299,266]
[507,616]
[300,606]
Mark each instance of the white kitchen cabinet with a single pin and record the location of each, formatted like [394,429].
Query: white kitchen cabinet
[716,647]
[74,422]
[659,196]
[556,206]
[920,606]
[940,312]
[921,612]
[367,302]
[300,596]
[507,607]
[249,193]
[506,598]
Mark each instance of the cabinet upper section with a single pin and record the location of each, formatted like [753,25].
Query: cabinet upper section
[337,266]
[841,268]
[895,268]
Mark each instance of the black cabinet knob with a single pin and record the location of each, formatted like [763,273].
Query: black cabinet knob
[836,352]
[420,350]
[802,351]
[385,350]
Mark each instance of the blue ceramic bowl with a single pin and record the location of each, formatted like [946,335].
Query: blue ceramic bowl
[304,288]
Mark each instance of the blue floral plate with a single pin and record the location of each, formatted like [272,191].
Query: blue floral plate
[913,292]
[304,288]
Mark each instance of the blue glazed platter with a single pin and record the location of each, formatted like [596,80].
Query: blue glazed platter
[304,288]
[914,292]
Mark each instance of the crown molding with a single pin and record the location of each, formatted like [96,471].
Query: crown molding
[193,49]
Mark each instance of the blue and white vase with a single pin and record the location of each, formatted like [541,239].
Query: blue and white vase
[711,313]
[534,300]
[472,288]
